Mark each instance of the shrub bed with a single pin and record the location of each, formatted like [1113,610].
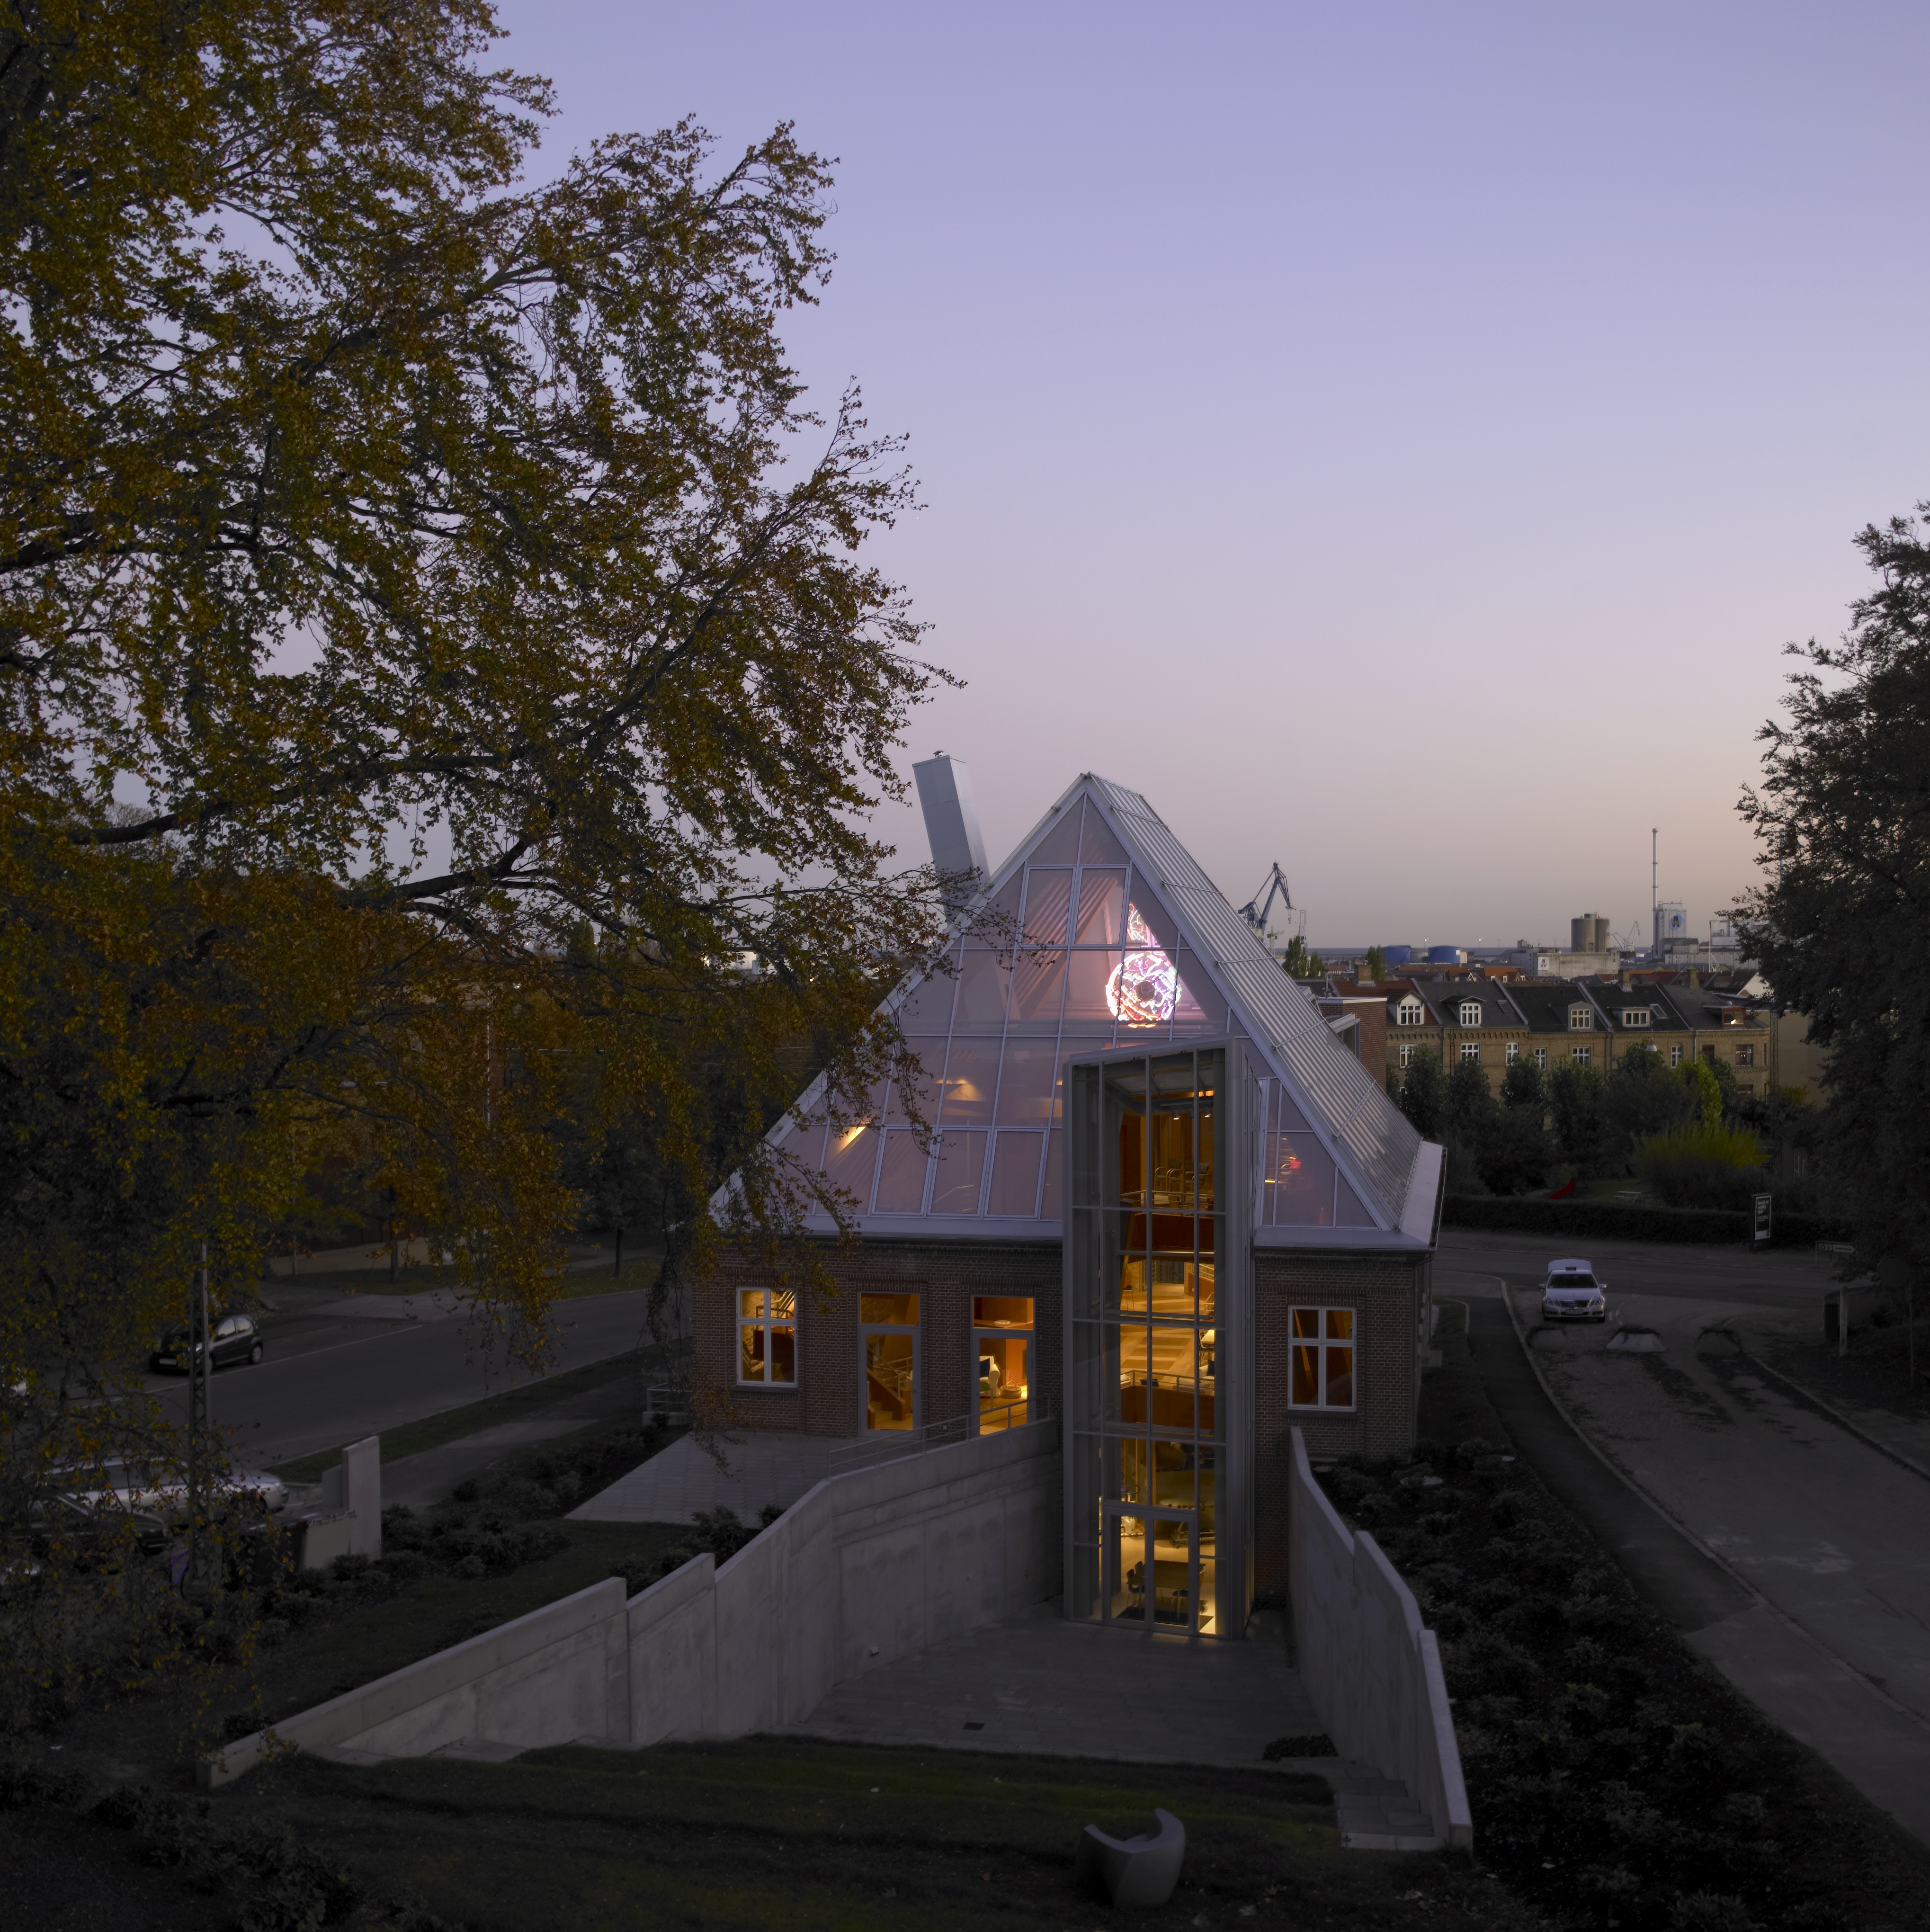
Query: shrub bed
[1570,1221]
[1617,1782]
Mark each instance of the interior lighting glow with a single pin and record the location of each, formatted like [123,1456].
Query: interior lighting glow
[1144,987]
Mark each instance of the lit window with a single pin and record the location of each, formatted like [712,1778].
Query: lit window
[1322,1375]
[1406,1054]
[1470,1013]
[1634,1016]
[1675,1056]
[1541,1058]
[1409,1012]
[888,1328]
[1003,1342]
[1581,1019]
[1511,1052]
[1471,1052]
[766,1336]
[1582,1056]
[1745,1056]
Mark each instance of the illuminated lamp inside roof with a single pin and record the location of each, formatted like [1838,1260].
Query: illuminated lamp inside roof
[1144,987]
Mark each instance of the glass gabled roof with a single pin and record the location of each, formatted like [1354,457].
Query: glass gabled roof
[1102,931]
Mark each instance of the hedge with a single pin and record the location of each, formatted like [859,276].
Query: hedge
[1534,1214]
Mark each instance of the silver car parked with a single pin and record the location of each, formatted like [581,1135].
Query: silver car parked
[1571,1293]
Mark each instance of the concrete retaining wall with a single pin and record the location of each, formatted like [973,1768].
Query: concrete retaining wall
[1372,1672]
[864,1569]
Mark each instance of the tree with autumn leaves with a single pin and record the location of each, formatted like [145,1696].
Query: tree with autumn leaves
[358,498]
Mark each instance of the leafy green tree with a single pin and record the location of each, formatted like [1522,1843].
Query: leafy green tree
[1302,963]
[1375,965]
[1471,1106]
[1705,1089]
[353,492]
[1581,1124]
[1423,1097]
[1841,923]
[1640,1098]
[1522,1086]
[1515,1153]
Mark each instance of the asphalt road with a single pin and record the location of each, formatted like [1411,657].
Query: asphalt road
[329,1381]
[1792,1280]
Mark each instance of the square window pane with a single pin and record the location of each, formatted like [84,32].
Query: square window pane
[928,1009]
[960,1173]
[1050,1194]
[1102,908]
[1307,1321]
[901,1177]
[1048,907]
[983,979]
[901,1310]
[1339,1378]
[1015,1173]
[1028,1078]
[1001,1311]
[1339,1324]
[750,1302]
[1038,992]
[784,1354]
[1087,1007]
[784,1304]
[852,1161]
[931,1057]
[1305,1377]
[971,1072]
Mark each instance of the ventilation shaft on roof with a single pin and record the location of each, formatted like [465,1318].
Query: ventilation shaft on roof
[951,824]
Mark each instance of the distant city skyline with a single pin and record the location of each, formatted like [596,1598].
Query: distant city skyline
[1398,441]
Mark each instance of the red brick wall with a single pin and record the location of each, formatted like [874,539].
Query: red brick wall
[1383,1290]
[945,1276]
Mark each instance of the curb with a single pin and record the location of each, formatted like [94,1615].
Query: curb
[1621,1475]
[1695,1542]
[1836,1416]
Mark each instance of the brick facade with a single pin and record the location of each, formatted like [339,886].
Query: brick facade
[1387,1293]
[945,1275]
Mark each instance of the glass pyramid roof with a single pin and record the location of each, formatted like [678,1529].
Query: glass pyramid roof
[1102,931]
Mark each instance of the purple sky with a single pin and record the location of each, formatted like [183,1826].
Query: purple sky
[1398,439]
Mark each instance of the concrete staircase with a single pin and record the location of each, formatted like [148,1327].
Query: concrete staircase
[1377,1814]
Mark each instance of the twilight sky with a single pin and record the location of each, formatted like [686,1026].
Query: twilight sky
[1396,438]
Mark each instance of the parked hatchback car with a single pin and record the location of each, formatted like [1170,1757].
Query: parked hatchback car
[1571,1293]
[236,1339]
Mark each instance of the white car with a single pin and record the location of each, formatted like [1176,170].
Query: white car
[1571,1293]
[140,1486]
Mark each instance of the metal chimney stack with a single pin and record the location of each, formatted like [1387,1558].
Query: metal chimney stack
[951,824]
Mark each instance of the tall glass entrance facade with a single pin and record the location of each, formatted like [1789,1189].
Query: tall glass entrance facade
[1157,1247]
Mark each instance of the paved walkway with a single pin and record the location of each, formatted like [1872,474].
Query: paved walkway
[765,1467]
[1819,1612]
[1041,1684]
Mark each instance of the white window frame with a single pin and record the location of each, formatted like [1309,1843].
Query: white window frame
[1675,1056]
[1410,1012]
[1406,1053]
[1470,1013]
[1635,1017]
[771,1321]
[1582,1056]
[1581,1019]
[1541,1058]
[1470,1053]
[1511,1052]
[1323,1347]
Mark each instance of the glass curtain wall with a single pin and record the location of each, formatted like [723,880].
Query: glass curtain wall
[1155,1238]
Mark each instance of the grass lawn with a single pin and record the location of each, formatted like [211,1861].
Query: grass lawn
[777,1832]
[452,1424]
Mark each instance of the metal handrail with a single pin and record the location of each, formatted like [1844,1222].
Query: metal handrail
[888,1445]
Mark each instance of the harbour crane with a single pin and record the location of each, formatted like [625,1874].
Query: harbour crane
[1256,912]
